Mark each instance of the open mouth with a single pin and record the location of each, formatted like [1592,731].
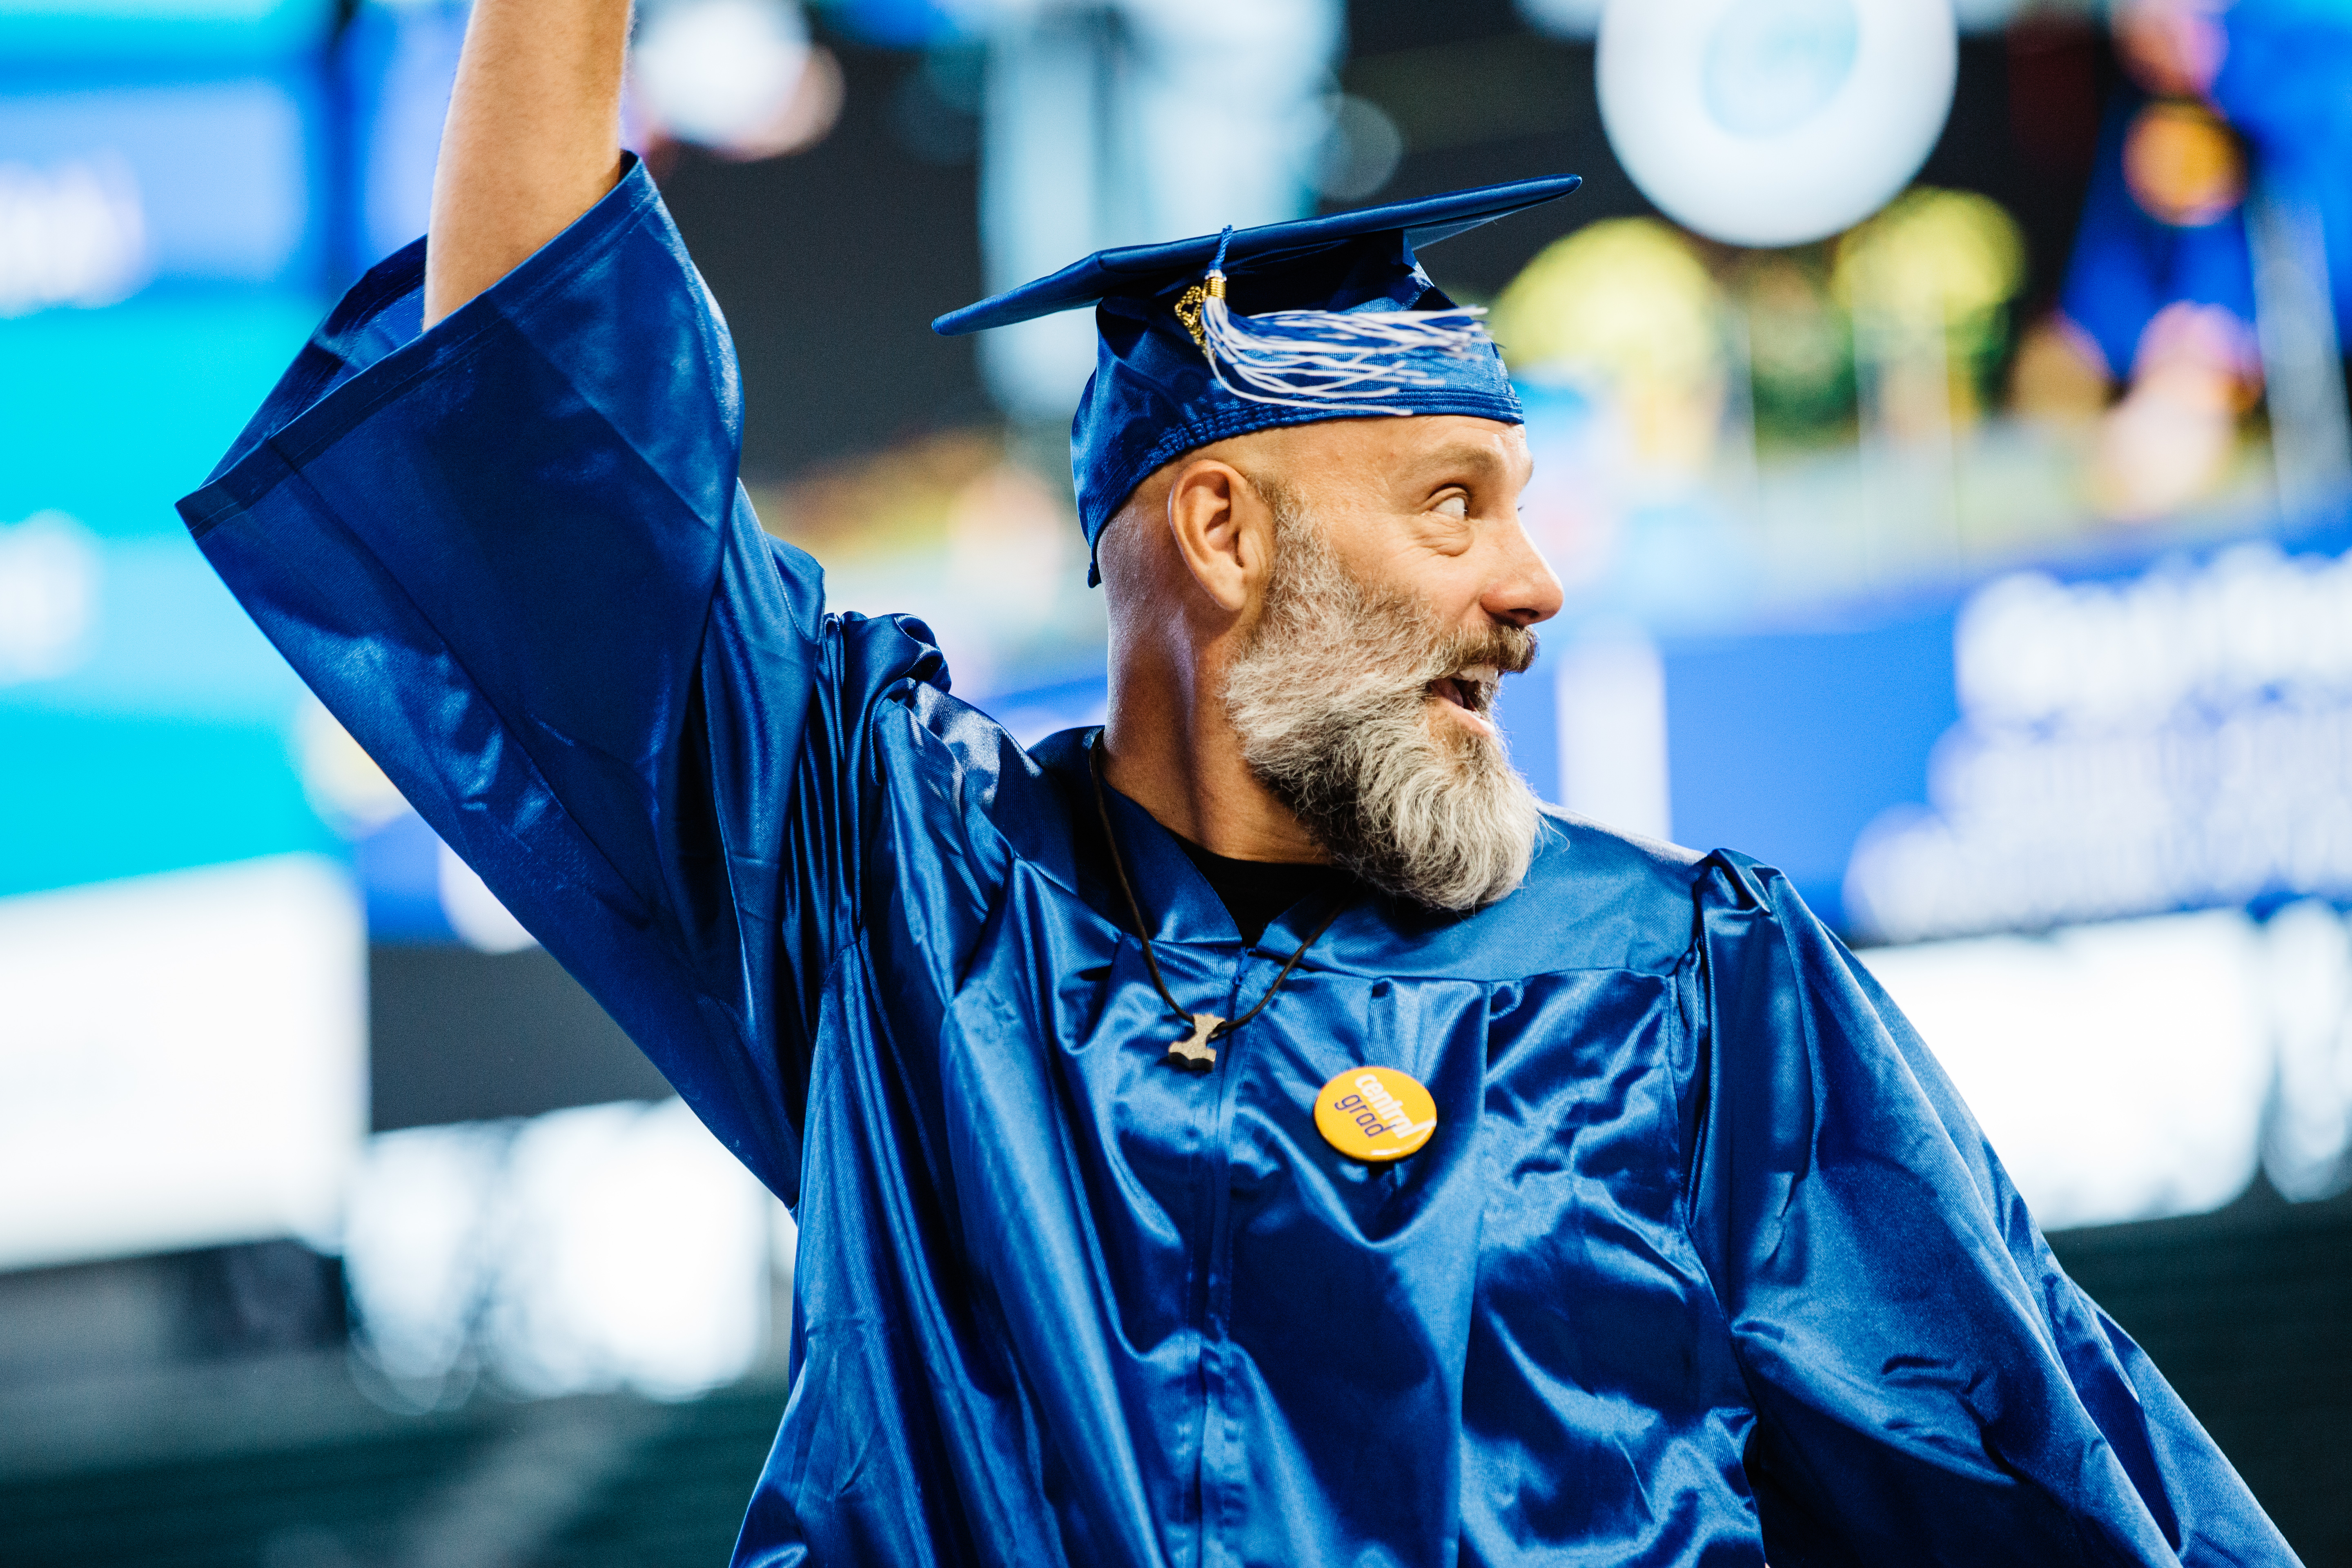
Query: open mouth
[1472,689]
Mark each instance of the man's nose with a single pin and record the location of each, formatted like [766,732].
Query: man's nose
[1525,589]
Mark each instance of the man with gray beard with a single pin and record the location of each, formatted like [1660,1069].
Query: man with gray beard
[1251,1132]
[1329,695]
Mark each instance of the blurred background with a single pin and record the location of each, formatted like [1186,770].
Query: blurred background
[1941,428]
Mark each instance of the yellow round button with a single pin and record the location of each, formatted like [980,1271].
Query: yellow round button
[1374,1113]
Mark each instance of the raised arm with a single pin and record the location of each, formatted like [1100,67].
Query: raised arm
[533,138]
[516,563]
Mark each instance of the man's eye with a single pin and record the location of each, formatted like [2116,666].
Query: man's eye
[1455,506]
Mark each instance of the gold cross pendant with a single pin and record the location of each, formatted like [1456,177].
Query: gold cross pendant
[1197,1053]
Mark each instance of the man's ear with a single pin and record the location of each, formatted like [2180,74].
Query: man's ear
[1224,529]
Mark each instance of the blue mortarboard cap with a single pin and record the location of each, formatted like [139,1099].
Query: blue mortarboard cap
[1326,318]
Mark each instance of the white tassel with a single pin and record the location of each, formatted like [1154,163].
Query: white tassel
[1331,359]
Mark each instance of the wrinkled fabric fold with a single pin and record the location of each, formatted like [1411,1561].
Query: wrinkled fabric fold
[1703,1257]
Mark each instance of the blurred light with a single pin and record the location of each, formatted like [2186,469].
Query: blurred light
[200,182]
[341,780]
[105,795]
[398,867]
[1799,346]
[1939,257]
[1927,282]
[72,235]
[902,24]
[38,32]
[1030,717]
[2307,980]
[1774,121]
[474,911]
[1625,296]
[49,575]
[1571,506]
[720,73]
[639,1254]
[1625,307]
[1769,67]
[1993,15]
[585,1249]
[1360,153]
[1611,688]
[979,546]
[181,1060]
[2121,1072]
[2175,739]
[1128,123]
[2302,346]
[1582,18]
[1011,553]
[183,372]
[806,117]
[416,1242]
[2031,651]
[156,709]
[399,62]
[1562,18]
[2183,164]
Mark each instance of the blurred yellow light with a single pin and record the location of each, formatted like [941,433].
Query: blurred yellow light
[1626,309]
[1621,300]
[2183,163]
[1952,257]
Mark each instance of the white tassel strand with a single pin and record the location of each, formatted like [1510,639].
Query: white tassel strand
[1331,359]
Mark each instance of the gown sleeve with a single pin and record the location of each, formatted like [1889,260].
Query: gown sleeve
[1928,1385]
[512,557]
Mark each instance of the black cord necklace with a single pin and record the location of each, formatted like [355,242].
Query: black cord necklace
[1195,1052]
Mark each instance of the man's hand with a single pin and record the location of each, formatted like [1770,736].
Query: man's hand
[533,138]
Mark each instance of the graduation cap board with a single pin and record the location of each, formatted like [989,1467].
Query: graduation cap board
[1287,323]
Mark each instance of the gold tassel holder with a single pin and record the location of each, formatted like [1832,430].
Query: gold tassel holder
[1189,303]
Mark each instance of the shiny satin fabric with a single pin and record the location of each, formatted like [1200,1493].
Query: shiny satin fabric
[1704,1257]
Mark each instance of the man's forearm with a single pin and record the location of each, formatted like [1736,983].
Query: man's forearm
[533,138]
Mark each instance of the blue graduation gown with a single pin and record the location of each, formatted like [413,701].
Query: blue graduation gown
[1703,1256]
